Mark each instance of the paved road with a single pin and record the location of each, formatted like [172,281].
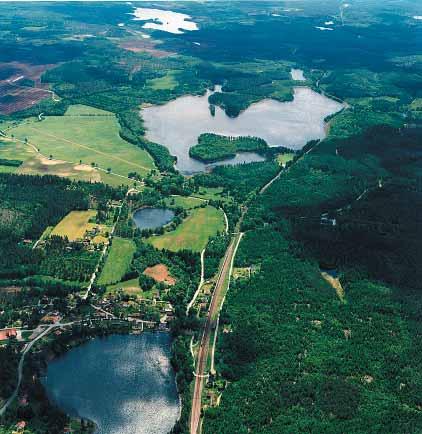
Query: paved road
[20,365]
[205,340]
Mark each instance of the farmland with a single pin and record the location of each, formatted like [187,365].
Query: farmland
[118,261]
[74,225]
[83,135]
[193,232]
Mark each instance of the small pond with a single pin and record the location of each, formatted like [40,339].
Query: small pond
[123,383]
[151,218]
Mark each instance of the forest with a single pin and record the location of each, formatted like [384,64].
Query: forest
[212,147]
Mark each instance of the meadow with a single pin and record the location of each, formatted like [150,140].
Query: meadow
[84,135]
[185,202]
[193,233]
[118,261]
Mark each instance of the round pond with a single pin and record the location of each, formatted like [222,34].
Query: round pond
[123,383]
[151,218]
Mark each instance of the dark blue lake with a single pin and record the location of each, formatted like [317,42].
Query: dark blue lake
[151,218]
[123,383]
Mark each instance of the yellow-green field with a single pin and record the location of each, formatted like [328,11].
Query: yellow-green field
[193,233]
[118,261]
[168,82]
[74,225]
[284,158]
[416,104]
[83,134]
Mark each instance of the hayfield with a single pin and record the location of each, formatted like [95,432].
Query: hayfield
[118,261]
[74,225]
[84,134]
[193,232]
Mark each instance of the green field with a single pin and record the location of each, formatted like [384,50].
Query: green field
[74,225]
[118,261]
[284,158]
[193,233]
[212,193]
[168,82]
[84,134]
[186,202]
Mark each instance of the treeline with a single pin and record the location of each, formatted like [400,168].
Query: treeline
[240,180]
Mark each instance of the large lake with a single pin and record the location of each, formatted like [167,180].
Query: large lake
[151,218]
[178,123]
[123,383]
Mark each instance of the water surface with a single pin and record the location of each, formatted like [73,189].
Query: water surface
[178,123]
[151,218]
[123,383]
[167,21]
[297,74]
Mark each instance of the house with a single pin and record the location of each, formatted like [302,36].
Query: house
[20,426]
[8,333]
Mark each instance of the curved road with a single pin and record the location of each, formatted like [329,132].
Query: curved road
[20,365]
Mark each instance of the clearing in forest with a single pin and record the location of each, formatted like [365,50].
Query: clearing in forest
[193,233]
[74,225]
[118,261]
[185,202]
[160,273]
[84,134]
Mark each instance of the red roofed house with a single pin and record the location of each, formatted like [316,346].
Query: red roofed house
[8,333]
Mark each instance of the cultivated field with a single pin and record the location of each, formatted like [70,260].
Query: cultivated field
[84,134]
[193,233]
[74,225]
[118,261]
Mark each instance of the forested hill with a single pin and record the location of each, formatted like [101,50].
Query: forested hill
[306,354]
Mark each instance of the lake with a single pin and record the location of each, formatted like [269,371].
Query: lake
[123,383]
[151,218]
[166,21]
[292,124]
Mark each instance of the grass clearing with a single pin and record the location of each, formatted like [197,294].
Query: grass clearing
[186,202]
[193,233]
[74,225]
[118,261]
[212,193]
[168,82]
[84,134]
[282,159]
[130,287]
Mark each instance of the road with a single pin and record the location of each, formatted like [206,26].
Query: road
[206,335]
[20,365]
[212,317]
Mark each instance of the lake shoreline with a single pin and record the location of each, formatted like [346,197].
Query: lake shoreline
[178,123]
[75,343]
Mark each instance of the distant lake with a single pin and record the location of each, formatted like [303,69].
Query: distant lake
[297,74]
[167,21]
[123,383]
[178,124]
[151,218]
